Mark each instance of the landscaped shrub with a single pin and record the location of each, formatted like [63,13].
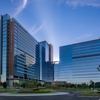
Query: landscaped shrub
[23,85]
[39,84]
[4,85]
[15,84]
[41,91]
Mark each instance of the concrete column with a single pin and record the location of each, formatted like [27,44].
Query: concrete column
[10,83]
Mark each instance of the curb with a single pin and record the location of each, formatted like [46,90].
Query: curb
[52,94]
[88,96]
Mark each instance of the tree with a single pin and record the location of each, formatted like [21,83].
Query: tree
[23,85]
[92,84]
[79,85]
[84,85]
[67,85]
[37,84]
[5,85]
[31,84]
[97,85]
[15,84]
[44,85]
[72,85]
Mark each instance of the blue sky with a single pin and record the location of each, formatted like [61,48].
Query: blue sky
[59,22]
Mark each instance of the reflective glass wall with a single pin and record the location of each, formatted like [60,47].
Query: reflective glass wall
[4,47]
[0,44]
[79,62]
[46,66]
[44,57]
[26,54]
[21,54]
[50,72]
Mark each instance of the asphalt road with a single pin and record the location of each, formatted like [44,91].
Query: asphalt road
[61,97]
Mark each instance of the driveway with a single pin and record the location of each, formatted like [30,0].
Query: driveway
[60,97]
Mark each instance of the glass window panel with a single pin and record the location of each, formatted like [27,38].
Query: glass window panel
[15,31]
[4,47]
[5,22]
[4,70]
[15,41]
[5,29]
[4,25]
[4,54]
[4,32]
[4,51]
[4,17]
[4,58]
[15,27]
[4,39]
[4,43]
[4,62]
[5,36]
[15,45]
[4,65]
[15,34]
[15,53]
[4,75]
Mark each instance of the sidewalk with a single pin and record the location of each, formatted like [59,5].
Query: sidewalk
[47,94]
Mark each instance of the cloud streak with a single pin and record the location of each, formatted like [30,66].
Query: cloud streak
[35,30]
[94,3]
[21,7]
[75,3]
[85,36]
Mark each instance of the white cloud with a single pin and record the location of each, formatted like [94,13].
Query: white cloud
[34,30]
[83,2]
[95,3]
[21,7]
[85,36]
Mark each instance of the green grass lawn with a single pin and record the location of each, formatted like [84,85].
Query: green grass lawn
[86,92]
[39,91]
[7,89]
[83,91]
[22,90]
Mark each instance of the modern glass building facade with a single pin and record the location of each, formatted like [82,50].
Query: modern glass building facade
[0,44]
[46,66]
[79,62]
[26,53]
[4,45]
[20,53]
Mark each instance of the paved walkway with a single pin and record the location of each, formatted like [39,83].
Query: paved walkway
[47,94]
